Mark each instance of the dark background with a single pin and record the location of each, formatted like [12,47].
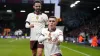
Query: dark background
[72,18]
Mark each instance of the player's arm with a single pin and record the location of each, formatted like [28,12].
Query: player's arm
[28,24]
[60,38]
[46,19]
[42,37]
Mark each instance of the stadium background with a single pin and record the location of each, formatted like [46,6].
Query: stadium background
[72,18]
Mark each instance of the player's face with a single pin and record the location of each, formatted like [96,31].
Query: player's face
[37,7]
[52,22]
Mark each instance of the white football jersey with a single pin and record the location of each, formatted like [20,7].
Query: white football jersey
[39,22]
[18,32]
[50,46]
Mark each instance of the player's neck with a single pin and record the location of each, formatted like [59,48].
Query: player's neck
[51,29]
[37,13]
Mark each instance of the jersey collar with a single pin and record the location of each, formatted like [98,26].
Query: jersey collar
[52,30]
[38,13]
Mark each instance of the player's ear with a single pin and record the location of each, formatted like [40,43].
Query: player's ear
[56,22]
[33,6]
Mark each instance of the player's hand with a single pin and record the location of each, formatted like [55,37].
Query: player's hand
[49,38]
[58,42]
[31,25]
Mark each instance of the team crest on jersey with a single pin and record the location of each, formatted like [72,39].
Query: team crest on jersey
[46,34]
[37,17]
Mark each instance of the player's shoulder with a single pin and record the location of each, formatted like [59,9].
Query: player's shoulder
[44,14]
[58,30]
[44,29]
[31,13]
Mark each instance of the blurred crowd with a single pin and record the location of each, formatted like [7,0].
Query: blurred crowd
[86,34]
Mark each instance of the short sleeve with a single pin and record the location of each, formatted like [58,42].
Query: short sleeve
[28,17]
[27,21]
[45,18]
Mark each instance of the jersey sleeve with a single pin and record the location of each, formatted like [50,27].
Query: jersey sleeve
[42,36]
[46,18]
[27,25]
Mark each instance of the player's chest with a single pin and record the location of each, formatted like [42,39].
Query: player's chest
[53,37]
[37,18]
[51,34]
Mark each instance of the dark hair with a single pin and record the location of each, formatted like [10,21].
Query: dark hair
[53,17]
[37,2]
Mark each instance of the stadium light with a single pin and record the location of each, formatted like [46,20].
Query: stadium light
[98,7]
[22,11]
[72,5]
[4,5]
[94,8]
[46,11]
[76,2]
[9,10]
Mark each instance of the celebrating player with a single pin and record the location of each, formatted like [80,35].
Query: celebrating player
[36,21]
[51,38]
